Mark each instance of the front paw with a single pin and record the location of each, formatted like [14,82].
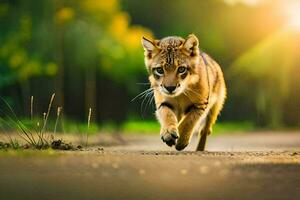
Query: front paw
[182,142]
[169,136]
[180,146]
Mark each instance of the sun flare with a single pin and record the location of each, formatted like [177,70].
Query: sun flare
[293,14]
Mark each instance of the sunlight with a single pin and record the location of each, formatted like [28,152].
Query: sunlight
[246,2]
[293,14]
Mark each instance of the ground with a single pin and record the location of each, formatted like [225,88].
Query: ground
[261,165]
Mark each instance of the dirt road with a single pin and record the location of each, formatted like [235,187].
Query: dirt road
[143,169]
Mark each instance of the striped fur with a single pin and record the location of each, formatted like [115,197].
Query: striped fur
[197,84]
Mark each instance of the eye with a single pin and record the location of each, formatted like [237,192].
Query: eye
[181,70]
[159,71]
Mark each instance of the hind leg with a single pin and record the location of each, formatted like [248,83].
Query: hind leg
[210,121]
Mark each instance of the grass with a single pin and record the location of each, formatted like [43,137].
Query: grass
[39,133]
[11,120]
[153,127]
[32,132]
[141,127]
[233,127]
[136,127]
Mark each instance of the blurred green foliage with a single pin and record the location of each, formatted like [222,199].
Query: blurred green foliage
[253,43]
[36,35]
[129,127]
[150,127]
[89,53]
[268,69]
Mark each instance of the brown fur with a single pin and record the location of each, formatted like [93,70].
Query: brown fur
[199,92]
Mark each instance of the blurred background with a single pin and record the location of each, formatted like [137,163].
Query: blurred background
[89,54]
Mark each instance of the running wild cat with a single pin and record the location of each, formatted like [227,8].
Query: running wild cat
[188,86]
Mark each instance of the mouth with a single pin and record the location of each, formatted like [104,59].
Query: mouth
[171,91]
[170,94]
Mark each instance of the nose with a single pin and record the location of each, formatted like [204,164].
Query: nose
[170,88]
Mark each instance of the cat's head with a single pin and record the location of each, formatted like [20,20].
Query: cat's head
[171,63]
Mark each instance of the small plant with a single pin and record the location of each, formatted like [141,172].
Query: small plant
[14,143]
[88,126]
[59,109]
[12,121]
[46,115]
[34,137]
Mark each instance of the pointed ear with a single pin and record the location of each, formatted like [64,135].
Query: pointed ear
[150,47]
[191,45]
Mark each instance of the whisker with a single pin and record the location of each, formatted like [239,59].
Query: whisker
[152,100]
[143,83]
[148,104]
[141,94]
[145,98]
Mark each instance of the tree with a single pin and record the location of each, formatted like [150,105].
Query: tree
[267,69]
[75,42]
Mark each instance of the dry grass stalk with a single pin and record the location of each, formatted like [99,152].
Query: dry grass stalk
[88,126]
[46,115]
[31,107]
[89,117]
[48,111]
[59,109]
[44,118]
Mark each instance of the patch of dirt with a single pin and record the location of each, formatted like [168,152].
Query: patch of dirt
[4,145]
[106,174]
[62,145]
[145,168]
